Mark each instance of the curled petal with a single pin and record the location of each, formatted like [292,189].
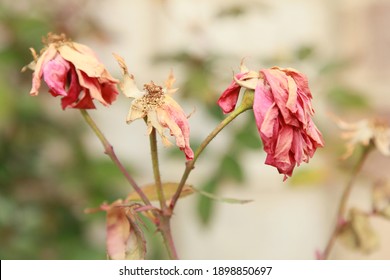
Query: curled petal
[136,111]
[76,95]
[170,81]
[55,74]
[173,117]
[128,86]
[85,63]
[299,78]
[247,80]
[157,119]
[47,55]
[265,110]
[228,99]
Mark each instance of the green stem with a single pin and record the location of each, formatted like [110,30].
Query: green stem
[165,229]
[343,201]
[109,150]
[156,169]
[246,104]
[164,217]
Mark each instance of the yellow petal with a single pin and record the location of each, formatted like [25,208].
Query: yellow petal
[85,62]
[136,112]
[121,63]
[154,121]
[171,79]
[127,85]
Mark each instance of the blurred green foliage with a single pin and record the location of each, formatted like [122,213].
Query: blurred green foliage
[46,176]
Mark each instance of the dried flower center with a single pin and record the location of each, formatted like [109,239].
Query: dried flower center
[379,124]
[154,96]
[56,39]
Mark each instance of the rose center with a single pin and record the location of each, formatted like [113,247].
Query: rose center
[154,96]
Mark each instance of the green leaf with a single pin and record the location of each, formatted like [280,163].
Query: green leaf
[221,199]
[347,98]
[358,233]
[232,11]
[248,136]
[231,168]
[307,176]
[215,111]
[334,66]
[205,204]
[304,52]
[31,30]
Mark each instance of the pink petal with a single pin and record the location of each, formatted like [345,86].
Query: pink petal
[300,79]
[228,99]
[92,85]
[291,103]
[85,101]
[73,91]
[315,134]
[172,116]
[47,55]
[297,147]
[55,73]
[109,92]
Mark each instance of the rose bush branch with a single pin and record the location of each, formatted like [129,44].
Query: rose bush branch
[369,134]
[340,216]
[163,217]
[156,170]
[109,150]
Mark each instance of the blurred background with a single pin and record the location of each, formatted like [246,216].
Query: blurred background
[52,167]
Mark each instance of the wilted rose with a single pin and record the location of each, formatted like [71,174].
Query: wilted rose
[283,113]
[155,103]
[72,70]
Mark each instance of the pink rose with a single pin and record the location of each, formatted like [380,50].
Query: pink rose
[72,71]
[283,113]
